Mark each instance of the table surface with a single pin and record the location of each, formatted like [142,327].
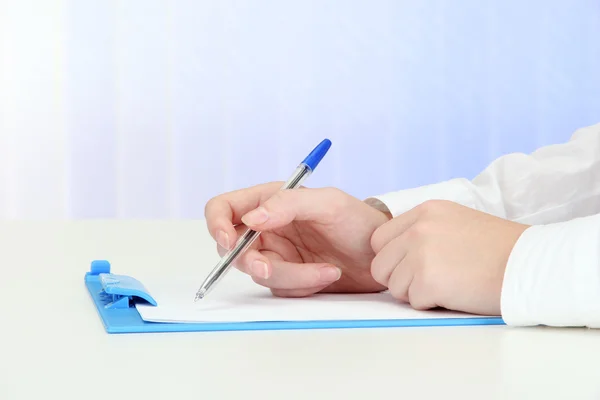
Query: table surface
[54,345]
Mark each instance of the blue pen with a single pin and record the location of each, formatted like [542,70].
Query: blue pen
[303,171]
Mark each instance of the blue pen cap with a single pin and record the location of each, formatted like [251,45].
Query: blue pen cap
[315,156]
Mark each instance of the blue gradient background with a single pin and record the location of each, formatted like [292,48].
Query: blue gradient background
[169,103]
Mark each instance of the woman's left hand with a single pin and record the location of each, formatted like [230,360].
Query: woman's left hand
[442,254]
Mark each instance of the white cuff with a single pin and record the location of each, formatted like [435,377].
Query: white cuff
[553,276]
[456,190]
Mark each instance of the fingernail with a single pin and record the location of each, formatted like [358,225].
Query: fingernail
[256,217]
[259,269]
[330,274]
[223,239]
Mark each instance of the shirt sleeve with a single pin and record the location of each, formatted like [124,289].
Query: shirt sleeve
[553,276]
[553,184]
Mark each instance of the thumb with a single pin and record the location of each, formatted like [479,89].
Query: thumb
[285,206]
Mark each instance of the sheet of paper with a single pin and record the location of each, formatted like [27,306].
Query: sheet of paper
[238,299]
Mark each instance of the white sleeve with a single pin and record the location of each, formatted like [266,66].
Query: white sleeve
[555,183]
[553,276]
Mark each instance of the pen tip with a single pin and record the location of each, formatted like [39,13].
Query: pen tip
[199,295]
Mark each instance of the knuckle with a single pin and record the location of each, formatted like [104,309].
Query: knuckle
[412,234]
[431,206]
[421,228]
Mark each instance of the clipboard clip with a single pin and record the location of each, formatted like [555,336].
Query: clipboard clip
[118,291]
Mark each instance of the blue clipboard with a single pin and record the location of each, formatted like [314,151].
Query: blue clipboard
[115,297]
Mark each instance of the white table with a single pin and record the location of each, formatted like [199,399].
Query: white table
[54,346]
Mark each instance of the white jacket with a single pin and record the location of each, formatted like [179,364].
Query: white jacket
[553,274]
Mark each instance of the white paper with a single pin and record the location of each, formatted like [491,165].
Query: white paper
[239,299]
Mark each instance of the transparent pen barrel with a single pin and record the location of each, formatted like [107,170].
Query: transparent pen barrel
[242,244]
[298,177]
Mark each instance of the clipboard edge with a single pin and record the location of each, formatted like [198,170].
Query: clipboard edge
[120,320]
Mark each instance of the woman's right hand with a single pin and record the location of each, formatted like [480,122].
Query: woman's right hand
[312,240]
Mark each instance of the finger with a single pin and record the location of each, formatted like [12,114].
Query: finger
[269,241]
[285,206]
[258,264]
[419,294]
[223,212]
[286,275]
[297,292]
[387,260]
[400,280]
[244,262]
[393,228]
[410,283]
[239,231]
[269,269]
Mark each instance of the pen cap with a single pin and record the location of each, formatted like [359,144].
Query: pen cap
[315,156]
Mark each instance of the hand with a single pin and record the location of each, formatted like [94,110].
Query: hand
[441,254]
[312,240]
